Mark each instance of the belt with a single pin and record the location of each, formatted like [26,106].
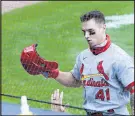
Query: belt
[99,113]
[95,114]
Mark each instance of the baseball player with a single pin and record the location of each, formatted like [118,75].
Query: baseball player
[104,70]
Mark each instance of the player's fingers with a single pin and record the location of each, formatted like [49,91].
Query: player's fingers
[54,99]
[57,99]
[57,95]
[54,95]
[61,98]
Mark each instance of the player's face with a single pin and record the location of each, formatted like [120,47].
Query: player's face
[94,32]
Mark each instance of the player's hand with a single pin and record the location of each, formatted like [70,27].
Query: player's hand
[35,65]
[57,98]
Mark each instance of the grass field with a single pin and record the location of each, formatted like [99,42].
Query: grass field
[56,27]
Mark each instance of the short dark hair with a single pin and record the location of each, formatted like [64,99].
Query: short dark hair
[95,14]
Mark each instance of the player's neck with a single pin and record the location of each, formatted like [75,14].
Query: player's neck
[98,50]
[103,42]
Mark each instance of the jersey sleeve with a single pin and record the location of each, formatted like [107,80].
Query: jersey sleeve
[125,73]
[76,69]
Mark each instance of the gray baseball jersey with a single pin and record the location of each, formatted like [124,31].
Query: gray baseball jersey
[105,78]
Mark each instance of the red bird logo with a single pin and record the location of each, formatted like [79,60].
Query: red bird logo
[101,70]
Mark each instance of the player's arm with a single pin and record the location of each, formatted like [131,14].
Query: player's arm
[125,74]
[72,78]
[68,80]
[64,78]
[130,88]
[132,100]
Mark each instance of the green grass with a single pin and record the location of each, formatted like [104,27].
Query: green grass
[56,27]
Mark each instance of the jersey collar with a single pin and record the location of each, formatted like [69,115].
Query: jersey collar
[98,50]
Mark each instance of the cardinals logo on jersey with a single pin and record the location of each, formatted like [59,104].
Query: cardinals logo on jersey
[101,70]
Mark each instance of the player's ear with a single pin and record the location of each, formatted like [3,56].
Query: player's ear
[104,26]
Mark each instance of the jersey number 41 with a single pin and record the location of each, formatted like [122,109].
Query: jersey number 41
[102,93]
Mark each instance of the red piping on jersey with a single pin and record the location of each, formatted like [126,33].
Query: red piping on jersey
[98,50]
[82,67]
[129,86]
[132,91]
